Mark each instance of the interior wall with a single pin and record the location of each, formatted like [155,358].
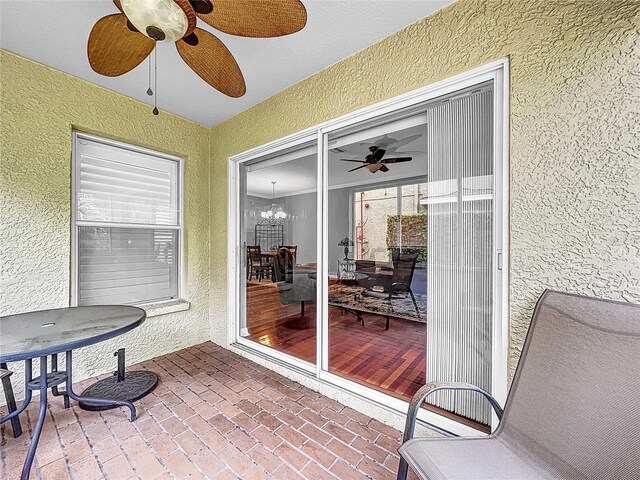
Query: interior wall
[574,169]
[300,225]
[338,206]
[39,108]
[253,205]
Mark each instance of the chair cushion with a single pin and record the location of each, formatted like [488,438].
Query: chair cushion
[471,458]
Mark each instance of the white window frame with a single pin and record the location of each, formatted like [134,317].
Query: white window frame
[75,175]
[498,72]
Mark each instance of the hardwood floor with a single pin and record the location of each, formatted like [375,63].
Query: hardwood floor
[389,360]
[392,361]
[280,326]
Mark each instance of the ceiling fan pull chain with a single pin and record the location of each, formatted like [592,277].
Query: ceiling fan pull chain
[149,91]
[155,80]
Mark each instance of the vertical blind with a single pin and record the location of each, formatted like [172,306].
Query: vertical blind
[460,245]
[128,225]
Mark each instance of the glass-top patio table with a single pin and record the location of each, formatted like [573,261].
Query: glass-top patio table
[26,336]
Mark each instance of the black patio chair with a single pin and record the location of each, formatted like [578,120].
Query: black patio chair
[5,375]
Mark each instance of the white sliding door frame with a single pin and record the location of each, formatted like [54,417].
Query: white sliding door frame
[322,313]
[498,73]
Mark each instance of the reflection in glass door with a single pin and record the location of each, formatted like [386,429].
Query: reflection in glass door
[279,247]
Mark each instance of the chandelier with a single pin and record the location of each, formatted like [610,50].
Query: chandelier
[275,213]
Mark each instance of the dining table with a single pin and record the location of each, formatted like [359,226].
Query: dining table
[48,333]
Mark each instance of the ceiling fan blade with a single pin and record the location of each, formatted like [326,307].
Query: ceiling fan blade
[113,49]
[352,160]
[396,160]
[382,142]
[384,168]
[213,62]
[257,18]
[202,6]
[358,168]
[404,141]
[391,143]
[392,151]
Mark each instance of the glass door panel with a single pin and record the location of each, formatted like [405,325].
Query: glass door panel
[377,329]
[410,251]
[278,202]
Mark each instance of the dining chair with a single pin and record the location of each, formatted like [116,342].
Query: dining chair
[256,264]
[284,263]
[293,250]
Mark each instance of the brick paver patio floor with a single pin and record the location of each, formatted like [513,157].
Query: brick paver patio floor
[214,415]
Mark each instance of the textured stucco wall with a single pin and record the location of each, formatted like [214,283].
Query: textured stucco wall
[575,155]
[39,108]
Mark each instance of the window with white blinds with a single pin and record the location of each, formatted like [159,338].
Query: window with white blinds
[127,224]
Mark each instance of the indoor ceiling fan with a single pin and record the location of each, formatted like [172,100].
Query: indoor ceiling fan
[120,42]
[375,160]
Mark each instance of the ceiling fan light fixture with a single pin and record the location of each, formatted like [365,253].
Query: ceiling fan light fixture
[160,20]
[116,47]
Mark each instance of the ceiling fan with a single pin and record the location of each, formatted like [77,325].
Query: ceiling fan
[375,160]
[120,42]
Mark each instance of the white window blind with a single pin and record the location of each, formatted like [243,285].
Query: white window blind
[460,208]
[127,224]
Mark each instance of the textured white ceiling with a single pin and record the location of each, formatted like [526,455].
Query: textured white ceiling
[55,32]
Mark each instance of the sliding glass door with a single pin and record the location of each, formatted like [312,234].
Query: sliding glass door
[278,205]
[370,250]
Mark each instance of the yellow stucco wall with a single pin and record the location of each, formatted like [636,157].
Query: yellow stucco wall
[39,109]
[575,157]
[575,154]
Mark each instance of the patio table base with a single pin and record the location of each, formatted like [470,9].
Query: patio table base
[134,386]
[51,380]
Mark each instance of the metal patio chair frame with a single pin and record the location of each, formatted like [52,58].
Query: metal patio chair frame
[571,412]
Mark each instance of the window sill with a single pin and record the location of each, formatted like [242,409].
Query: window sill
[163,308]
